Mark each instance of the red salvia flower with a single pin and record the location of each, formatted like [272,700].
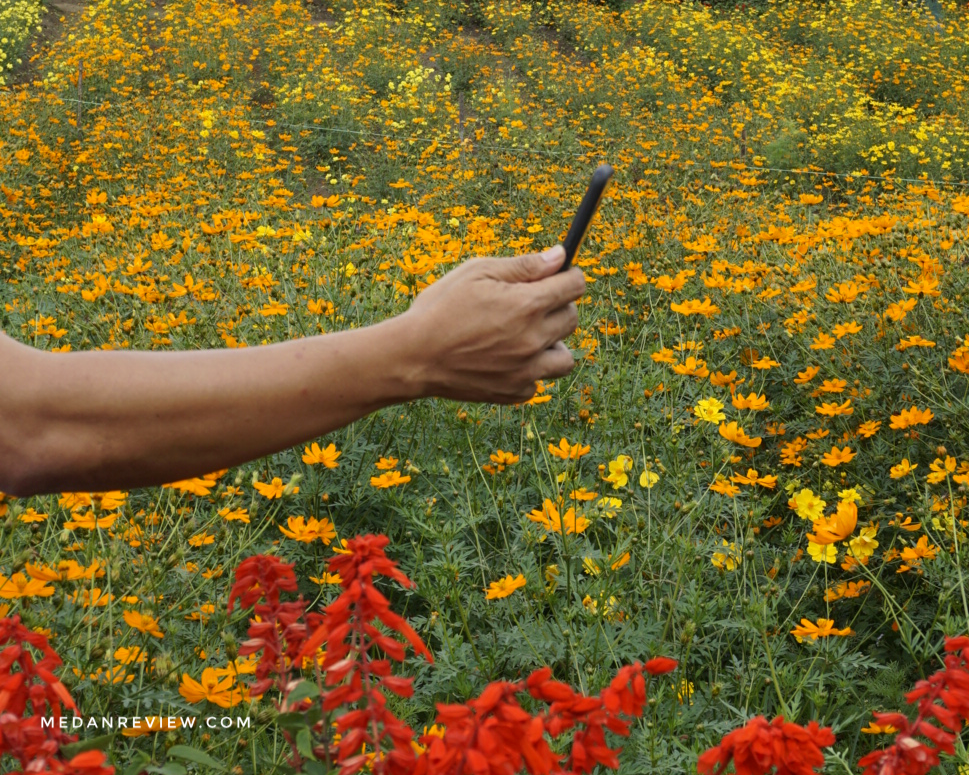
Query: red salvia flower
[944,698]
[759,747]
[33,686]
[490,735]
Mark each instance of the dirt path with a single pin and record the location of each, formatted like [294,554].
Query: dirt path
[51,28]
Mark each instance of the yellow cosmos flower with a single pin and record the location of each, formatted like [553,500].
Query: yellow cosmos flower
[609,506]
[752,402]
[807,505]
[849,494]
[709,410]
[617,471]
[822,552]
[729,558]
[863,546]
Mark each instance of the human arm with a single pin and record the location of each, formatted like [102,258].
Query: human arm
[95,421]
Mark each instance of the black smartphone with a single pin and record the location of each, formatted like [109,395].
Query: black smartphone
[583,217]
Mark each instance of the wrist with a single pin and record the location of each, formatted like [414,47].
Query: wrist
[408,367]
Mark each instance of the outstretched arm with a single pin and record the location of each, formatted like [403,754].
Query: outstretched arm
[96,421]
[118,420]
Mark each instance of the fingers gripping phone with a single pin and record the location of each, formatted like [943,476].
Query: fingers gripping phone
[583,217]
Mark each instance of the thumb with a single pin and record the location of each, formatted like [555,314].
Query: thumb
[533,266]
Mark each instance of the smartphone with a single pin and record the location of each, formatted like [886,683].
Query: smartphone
[583,217]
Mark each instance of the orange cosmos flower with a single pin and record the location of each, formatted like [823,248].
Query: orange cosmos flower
[230,515]
[912,556]
[326,456]
[731,432]
[723,486]
[566,451]
[879,729]
[752,401]
[307,532]
[909,417]
[18,586]
[149,724]
[499,461]
[823,629]
[275,489]
[696,307]
[837,527]
[753,477]
[834,410]
[764,364]
[549,517]
[196,485]
[89,521]
[722,380]
[837,456]
[925,285]
[143,623]
[214,688]
[389,479]
[504,587]
[692,367]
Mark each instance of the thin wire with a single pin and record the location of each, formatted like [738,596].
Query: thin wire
[564,154]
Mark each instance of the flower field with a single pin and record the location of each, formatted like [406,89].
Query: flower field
[18,19]
[758,467]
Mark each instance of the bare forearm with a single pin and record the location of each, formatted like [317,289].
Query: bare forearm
[103,420]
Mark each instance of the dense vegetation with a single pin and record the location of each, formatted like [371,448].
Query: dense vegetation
[758,466]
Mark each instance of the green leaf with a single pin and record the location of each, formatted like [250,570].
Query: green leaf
[100,742]
[138,762]
[193,755]
[303,743]
[291,722]
[303,690]
[168,768]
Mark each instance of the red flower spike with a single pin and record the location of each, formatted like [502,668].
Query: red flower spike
[759,746]
[35,685]
[944,696]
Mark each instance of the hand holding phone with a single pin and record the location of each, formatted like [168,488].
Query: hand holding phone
[583,217]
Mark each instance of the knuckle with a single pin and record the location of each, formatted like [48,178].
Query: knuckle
[573,319]
[535,303]
[534,342]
